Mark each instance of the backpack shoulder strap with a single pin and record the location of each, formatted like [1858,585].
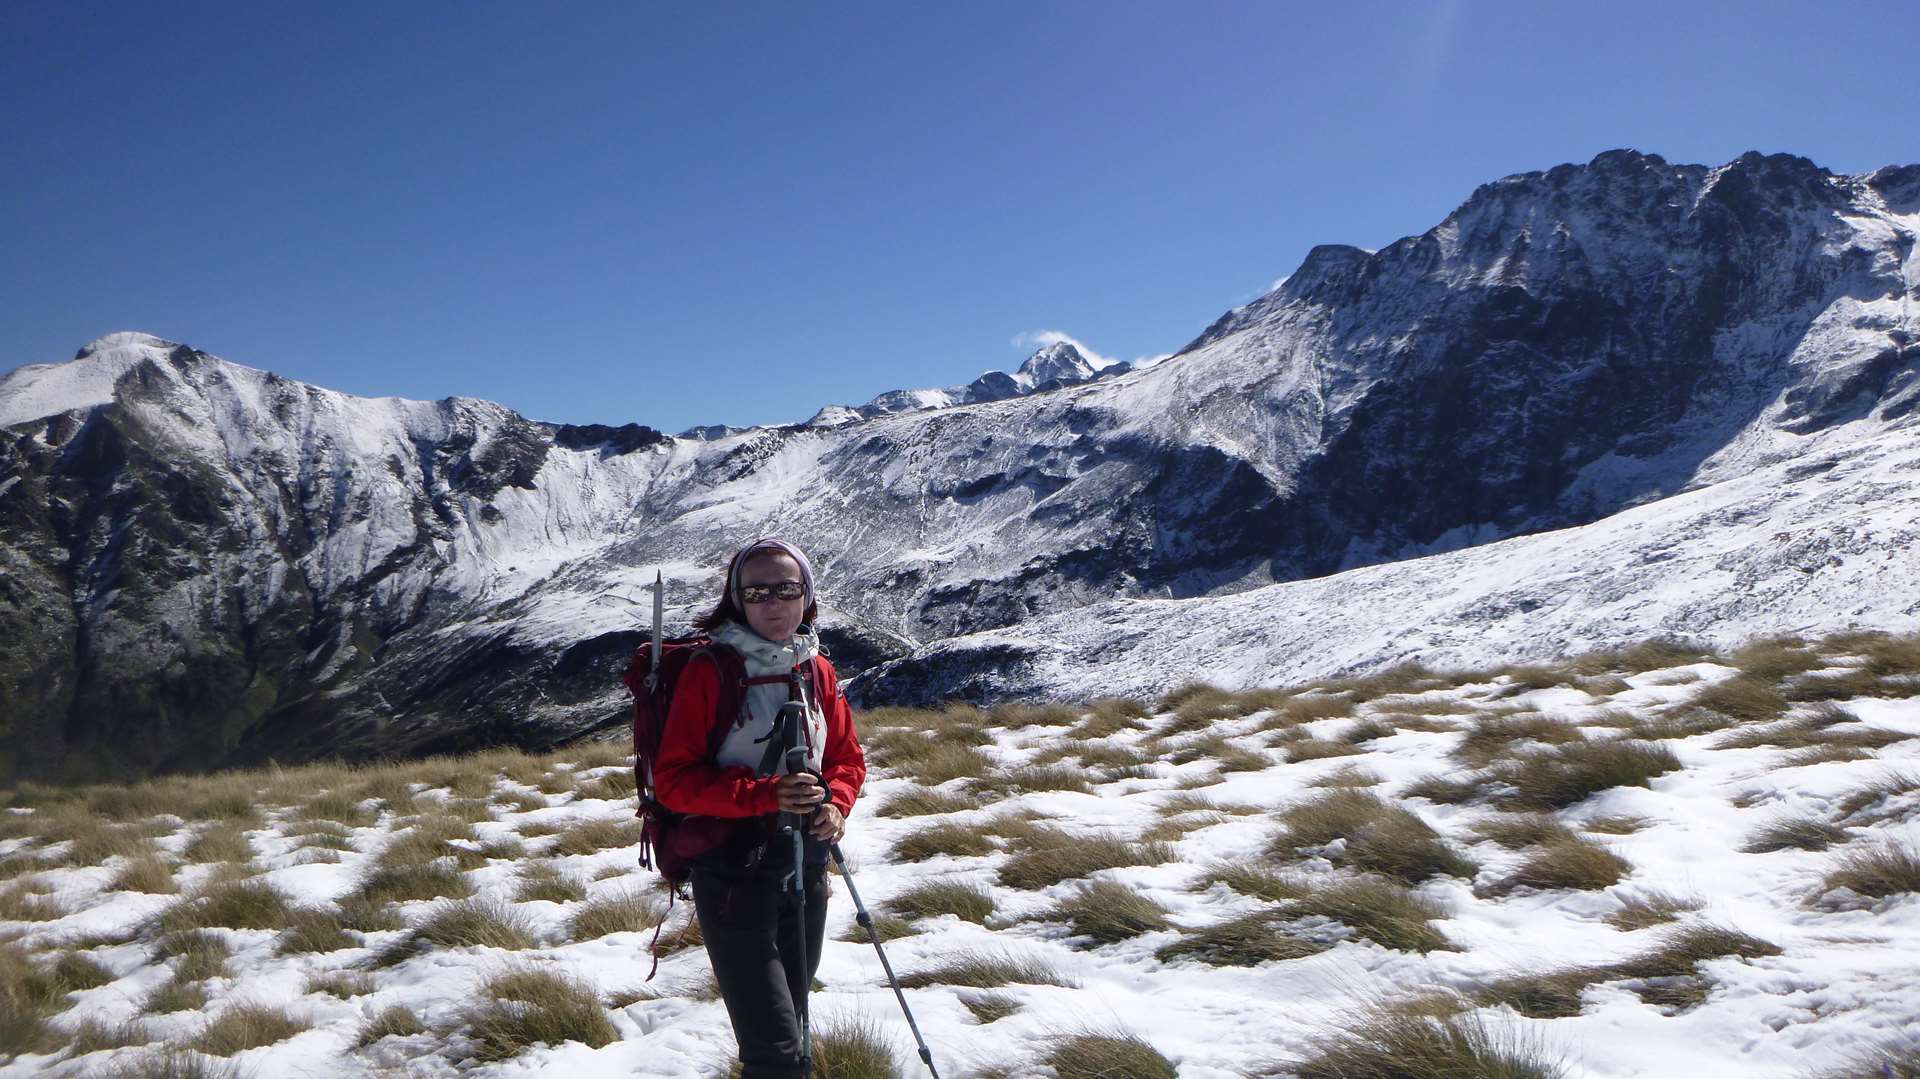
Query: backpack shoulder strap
[732,669]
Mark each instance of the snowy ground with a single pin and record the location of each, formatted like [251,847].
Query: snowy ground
[1847,976]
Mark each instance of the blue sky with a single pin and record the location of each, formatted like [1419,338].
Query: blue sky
[678,214]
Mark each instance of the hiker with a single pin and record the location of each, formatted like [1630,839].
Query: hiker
[748,916]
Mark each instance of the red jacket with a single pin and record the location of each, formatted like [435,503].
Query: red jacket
[686,780]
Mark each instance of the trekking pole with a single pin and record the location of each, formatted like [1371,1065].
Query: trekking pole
[866,922]
[792,717]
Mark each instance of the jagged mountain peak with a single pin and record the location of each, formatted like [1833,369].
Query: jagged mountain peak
[1060,362]
[1053,365]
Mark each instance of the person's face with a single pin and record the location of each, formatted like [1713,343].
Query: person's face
[776,618]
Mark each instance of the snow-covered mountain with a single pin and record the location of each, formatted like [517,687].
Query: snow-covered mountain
[202,562]
[1053,367]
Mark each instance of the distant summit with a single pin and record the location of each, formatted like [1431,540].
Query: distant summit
[1055,366]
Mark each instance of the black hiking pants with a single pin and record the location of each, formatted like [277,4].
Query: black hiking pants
[751,930]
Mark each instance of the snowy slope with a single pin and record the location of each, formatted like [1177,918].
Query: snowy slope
[216,563]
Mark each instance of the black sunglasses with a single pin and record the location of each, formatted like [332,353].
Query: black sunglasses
[761,593]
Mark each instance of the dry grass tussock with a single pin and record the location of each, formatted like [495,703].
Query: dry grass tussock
[1227,752]
[1373,908]
[1493,734]
[931,761]
[312,930]
[1347,776]
[1823,725]
[1307,708]
[1109,716]
[1092,755]
[340,984]
[966,901]
[1682,721]
[234,905]
[1615,824]
[951,840]
[1170,829]
[339,807]
[987,970]
[1380,838]
[1420,705]
[93,1036]
[399,883]
[396,1021]
[30,902]
[617,912]
[530,1006]
[1891,797]
[1772,659]
[594,836]
[1652,654]
[221,841]
[1891,868]
[247,1026]
[201,955]
[1562,864]
[853,1047]
[175,995]
[1376,909]
[1011,781]
[1743,697]
[890,927]
[920,802]
[463,924]
[1315,749]
[1794,833]
[1091,1054]
[1515,831]
[426,839]
[1444,788]
[32,989]
[1394,1044]
[1650,909]
[1051,856]
[1016,716]
[1249,878]
[990,1007]
[1245,941]
[1108,913]
[1399,680]
[616,786]
[544,881]
[1666,976]
[1188,802]
[1574,772]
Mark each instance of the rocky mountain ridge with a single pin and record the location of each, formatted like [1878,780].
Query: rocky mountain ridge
[201,562]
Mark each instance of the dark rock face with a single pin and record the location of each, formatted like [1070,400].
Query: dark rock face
[625,438]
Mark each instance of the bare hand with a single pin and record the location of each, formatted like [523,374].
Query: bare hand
[799,793]
[828,824]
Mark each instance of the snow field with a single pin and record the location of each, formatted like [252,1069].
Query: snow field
[1846,976]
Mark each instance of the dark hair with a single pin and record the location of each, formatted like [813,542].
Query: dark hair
[728,611]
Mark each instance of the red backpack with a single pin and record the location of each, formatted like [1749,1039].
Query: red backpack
[669,841]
